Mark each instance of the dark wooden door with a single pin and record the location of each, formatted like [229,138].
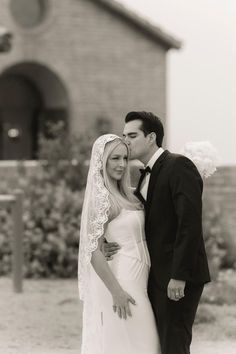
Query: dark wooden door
[19,111]
[17,134]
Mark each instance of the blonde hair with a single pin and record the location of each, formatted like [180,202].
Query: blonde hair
[122,196]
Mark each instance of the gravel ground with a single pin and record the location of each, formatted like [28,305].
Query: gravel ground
[46,319]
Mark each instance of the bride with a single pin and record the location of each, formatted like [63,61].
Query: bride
[117,314]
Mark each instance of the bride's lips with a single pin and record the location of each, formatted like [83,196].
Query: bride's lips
[120,173]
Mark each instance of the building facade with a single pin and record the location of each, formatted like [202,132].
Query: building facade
[77,61]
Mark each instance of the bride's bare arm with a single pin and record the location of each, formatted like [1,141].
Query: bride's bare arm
[121,299]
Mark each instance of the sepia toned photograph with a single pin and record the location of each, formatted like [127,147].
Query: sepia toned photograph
[117,177]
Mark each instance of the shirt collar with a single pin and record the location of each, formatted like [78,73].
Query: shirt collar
[154,157]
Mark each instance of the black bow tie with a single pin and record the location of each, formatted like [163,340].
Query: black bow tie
[143,171]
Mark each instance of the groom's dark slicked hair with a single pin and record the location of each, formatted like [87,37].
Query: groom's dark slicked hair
[150,123]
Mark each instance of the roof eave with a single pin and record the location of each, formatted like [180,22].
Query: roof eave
[156,33]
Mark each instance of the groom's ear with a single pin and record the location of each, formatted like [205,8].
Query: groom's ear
[152,137]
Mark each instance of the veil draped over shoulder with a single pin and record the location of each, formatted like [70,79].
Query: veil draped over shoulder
[95,212]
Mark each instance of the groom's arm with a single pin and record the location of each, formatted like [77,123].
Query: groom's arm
[186,189]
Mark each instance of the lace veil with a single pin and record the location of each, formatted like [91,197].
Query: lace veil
[94,216]
[95,210]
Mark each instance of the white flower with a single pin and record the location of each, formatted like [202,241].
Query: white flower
[203,155]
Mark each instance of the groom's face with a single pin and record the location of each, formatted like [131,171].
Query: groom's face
[136,140]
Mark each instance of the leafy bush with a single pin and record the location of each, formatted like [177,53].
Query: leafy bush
[223,290]
[52,222]
[53,196]
[214,233]
[5,241]
[204,315]
[51,216]
[66,156]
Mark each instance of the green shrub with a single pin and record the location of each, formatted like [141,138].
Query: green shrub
[5,241]
[53,197]
[51,216]
[214,233]
[66,156]
[223,290]
[204,315]
[52,222]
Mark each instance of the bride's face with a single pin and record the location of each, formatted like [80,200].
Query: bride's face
[117,162]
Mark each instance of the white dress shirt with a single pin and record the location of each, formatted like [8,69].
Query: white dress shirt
[151,162]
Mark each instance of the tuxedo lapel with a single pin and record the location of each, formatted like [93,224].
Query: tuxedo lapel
[153,178]
[137,190]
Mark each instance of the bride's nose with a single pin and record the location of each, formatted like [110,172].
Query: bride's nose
[122,163]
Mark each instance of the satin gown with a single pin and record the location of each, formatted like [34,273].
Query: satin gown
[136,334]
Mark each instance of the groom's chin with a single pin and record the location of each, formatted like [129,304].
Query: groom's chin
[135,162]
[132,157]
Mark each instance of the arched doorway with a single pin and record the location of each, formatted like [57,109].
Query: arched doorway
[31,95]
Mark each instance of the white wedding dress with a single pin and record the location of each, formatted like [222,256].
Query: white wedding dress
[136,334]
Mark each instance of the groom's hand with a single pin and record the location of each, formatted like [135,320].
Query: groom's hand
[109,249]
[175,289]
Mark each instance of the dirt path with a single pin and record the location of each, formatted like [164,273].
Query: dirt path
[46,319]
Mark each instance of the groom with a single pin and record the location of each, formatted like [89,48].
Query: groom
[170,188]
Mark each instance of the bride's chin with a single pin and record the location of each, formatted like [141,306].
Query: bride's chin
[116,179]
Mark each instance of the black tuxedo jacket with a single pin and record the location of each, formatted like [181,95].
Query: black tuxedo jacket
[173,221]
